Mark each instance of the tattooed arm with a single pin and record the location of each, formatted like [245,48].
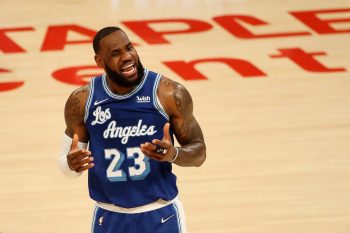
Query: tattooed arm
[177,103]
[74,150]
[74,114]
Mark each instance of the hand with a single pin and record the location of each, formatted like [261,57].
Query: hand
[150,149]
[79,160]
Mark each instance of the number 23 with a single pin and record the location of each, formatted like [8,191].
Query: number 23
[139,171]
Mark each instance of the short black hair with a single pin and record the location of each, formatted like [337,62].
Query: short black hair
[101,34]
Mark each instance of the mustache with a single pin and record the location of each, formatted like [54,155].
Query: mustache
[120,80]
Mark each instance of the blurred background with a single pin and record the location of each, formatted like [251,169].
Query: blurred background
[270,83]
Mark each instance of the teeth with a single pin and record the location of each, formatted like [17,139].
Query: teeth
[128,70]
[127,67]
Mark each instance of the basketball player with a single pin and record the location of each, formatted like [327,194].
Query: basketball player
[120,128]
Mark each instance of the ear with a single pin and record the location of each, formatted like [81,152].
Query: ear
[99,61]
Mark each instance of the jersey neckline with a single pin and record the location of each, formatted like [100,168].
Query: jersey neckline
[116,96]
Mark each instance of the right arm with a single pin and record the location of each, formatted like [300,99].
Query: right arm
[74,114]
[75,158]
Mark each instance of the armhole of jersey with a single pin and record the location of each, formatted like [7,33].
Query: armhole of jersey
[156,101]
[88,102]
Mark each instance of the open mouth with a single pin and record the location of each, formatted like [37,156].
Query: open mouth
[129,70]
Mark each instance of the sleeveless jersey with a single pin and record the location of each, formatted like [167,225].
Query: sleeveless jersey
[117,125]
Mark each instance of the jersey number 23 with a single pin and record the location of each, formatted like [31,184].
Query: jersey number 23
[139,171]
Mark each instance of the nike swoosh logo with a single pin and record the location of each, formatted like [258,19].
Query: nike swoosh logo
[164,220]
[99,102]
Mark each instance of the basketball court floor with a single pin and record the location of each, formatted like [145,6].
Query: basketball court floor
[270,81]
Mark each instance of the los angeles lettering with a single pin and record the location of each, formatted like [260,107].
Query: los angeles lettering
[124,133]
[101,116]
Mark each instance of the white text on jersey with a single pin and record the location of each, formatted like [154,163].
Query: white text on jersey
[101,116]
[114,131]
[143,99]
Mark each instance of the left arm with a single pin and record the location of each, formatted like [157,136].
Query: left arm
[177,103]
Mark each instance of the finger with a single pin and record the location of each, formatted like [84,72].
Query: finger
[166,132]
[82,163]
[78,155]
[74,159]
[148,146]
[86,167]
[151,148]
[152,154]
[74,145]
[159,143]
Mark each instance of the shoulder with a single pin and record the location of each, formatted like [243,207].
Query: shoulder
[171,87]
[75,105]
[174,96]
[79,95]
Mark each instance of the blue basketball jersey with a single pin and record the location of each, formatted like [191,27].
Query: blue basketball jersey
[117,125]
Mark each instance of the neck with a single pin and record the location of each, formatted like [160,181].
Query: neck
[117,89]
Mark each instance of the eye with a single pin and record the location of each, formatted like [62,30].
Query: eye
[130,47]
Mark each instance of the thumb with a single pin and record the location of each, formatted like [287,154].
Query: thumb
[74,145]
[166,132]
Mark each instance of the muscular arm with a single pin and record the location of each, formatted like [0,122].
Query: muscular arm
[76,157]
[74,114]
[177,102]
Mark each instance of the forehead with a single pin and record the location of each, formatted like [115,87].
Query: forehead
[114,40]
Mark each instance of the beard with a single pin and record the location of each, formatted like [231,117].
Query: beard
[119,80]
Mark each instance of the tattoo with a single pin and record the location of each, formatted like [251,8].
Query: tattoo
[179,129]
[187,131]
[168,83]
[183,122]
[184,105]
[74,109]
[180,94]
[180,100]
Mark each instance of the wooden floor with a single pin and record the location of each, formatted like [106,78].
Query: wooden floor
[276,115]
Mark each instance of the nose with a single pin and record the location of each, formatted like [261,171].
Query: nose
[126,56]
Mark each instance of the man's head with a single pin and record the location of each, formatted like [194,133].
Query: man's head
[117,56]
